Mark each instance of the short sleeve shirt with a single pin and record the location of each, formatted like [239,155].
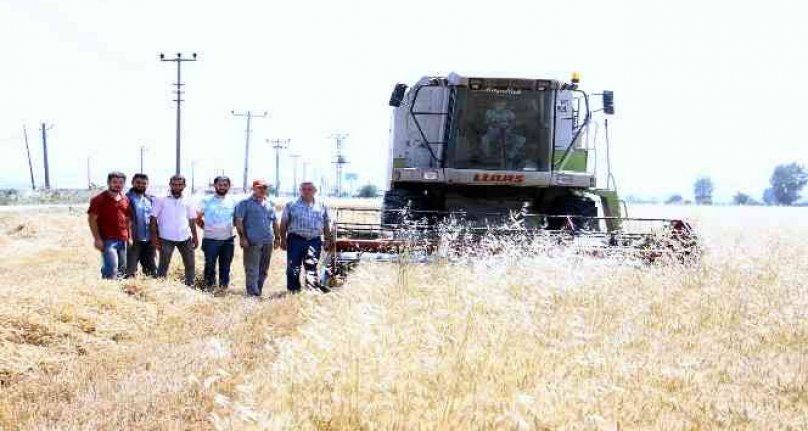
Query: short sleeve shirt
[218,213]
[113,216]
[306,219]
[257,216]
[172,216]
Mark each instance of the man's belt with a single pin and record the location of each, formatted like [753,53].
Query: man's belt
[303,237]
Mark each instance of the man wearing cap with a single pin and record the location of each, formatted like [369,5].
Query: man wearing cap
[257,228]
[173,226]
[303,224]
[215,217]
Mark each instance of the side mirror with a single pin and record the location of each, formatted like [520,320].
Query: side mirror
[608,102]
[398,95]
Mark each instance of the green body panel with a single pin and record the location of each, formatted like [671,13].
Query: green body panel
[611,207]
[576,162]
[399,162]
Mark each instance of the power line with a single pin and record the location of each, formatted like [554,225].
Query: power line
[278,145]
[247,132]
[179,59]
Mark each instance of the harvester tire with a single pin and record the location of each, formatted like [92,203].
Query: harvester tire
[575,206]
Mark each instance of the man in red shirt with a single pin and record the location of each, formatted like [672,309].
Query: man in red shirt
[109,218]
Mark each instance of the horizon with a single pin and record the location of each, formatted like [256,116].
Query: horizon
[685,77]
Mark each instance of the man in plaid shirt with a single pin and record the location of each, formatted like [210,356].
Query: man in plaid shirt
[303,224]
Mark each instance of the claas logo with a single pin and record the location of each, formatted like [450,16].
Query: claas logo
[499,178]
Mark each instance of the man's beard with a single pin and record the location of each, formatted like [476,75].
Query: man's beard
[139,190]
[221,192]
[176,193]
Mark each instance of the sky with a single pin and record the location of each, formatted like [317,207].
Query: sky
[701,88]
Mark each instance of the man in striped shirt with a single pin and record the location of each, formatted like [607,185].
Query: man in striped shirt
[303,224]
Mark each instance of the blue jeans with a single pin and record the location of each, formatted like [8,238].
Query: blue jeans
[221,251]
[301,251]
[113,259]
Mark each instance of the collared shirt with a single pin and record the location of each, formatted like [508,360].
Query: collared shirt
[257,217]
[172,216]
[218,212]
[141,212]
[113,215]
[306,219]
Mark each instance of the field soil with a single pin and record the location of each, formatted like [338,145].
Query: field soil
[500,342]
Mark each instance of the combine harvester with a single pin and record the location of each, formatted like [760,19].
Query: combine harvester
[513,160]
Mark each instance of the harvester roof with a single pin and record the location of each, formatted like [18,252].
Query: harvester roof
[480,83]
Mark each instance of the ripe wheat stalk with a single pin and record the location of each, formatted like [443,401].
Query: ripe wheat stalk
[503,341]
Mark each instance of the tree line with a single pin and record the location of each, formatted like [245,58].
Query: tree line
[785,185]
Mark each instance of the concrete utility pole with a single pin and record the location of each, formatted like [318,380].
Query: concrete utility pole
[142,152]
[323,184]
[28,153]
[278,145]
[247,132]
[45,129]
[179,59]
[305,168]
[295,158]
[193,177]
[89,177]
[339,160]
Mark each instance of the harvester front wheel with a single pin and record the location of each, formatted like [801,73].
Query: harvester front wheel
[582,211]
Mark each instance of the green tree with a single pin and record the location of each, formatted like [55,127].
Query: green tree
[768,196]
[703,191]
[741,198]
[675,199]
[786,183]
[368,191]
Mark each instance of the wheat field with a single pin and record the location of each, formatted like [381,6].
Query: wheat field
[503,342]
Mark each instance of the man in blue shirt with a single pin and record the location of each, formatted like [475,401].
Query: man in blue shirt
[257,228]
[303,224]
[141,249]
[215,217]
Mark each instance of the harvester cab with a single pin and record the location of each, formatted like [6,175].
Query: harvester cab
[494,155]
[483,145]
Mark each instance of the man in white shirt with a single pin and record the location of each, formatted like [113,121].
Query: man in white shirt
[173,226]
[215,217]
